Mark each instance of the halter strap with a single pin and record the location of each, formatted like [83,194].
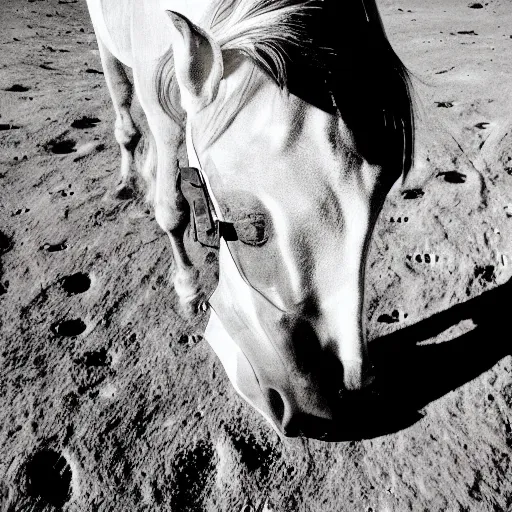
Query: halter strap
[194,162]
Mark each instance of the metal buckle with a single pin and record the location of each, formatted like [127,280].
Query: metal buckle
[206,228]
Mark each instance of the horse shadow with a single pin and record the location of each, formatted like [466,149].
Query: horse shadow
[410,375]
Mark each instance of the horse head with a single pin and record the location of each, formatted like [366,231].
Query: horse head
[296,189]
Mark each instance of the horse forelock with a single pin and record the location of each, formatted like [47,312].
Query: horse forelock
[350,53]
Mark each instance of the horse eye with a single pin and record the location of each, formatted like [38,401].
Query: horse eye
[252,229]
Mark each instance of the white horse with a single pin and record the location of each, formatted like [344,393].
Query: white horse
[299,120]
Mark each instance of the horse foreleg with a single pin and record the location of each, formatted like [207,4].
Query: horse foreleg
[126,133]
[172,214]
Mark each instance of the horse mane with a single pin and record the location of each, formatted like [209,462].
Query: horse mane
[335,56]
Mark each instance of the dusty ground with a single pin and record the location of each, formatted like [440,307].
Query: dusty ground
[105,403]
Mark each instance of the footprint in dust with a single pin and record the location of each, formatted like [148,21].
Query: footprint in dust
[193,470]
[85,122]
[76,283]
[69,328]
[48,477]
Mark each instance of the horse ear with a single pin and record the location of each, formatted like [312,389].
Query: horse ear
[197,63]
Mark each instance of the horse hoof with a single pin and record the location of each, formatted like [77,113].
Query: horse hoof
[191,307]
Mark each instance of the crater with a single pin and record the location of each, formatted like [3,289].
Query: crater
[69,328]
[76,283]
[62,246]
[5,243]
[444,104]
[96,358]
[85,122]
[485,273]
[389,319]
[8,126]
[454,177]
[48,478]
[17,88]
[62,147]
[413,193]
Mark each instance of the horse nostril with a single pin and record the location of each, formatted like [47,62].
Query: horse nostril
[276,404]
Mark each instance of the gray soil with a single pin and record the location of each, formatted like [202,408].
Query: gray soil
[110,400]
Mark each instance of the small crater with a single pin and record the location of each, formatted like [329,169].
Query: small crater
[413,193]
[485,273]
[467,32]
[19,211]
[5,243]
[423,258]
[17,88]
[69,328]
[389,319]
[183,340]
[61,147]
[76,283]
[188,340]
[62,246]
[96,358]
[444,104]
[4,287]
[48,478]
[453,177]
[93,71]
[475,5]
[482,126]
[85,122]
[8,126]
